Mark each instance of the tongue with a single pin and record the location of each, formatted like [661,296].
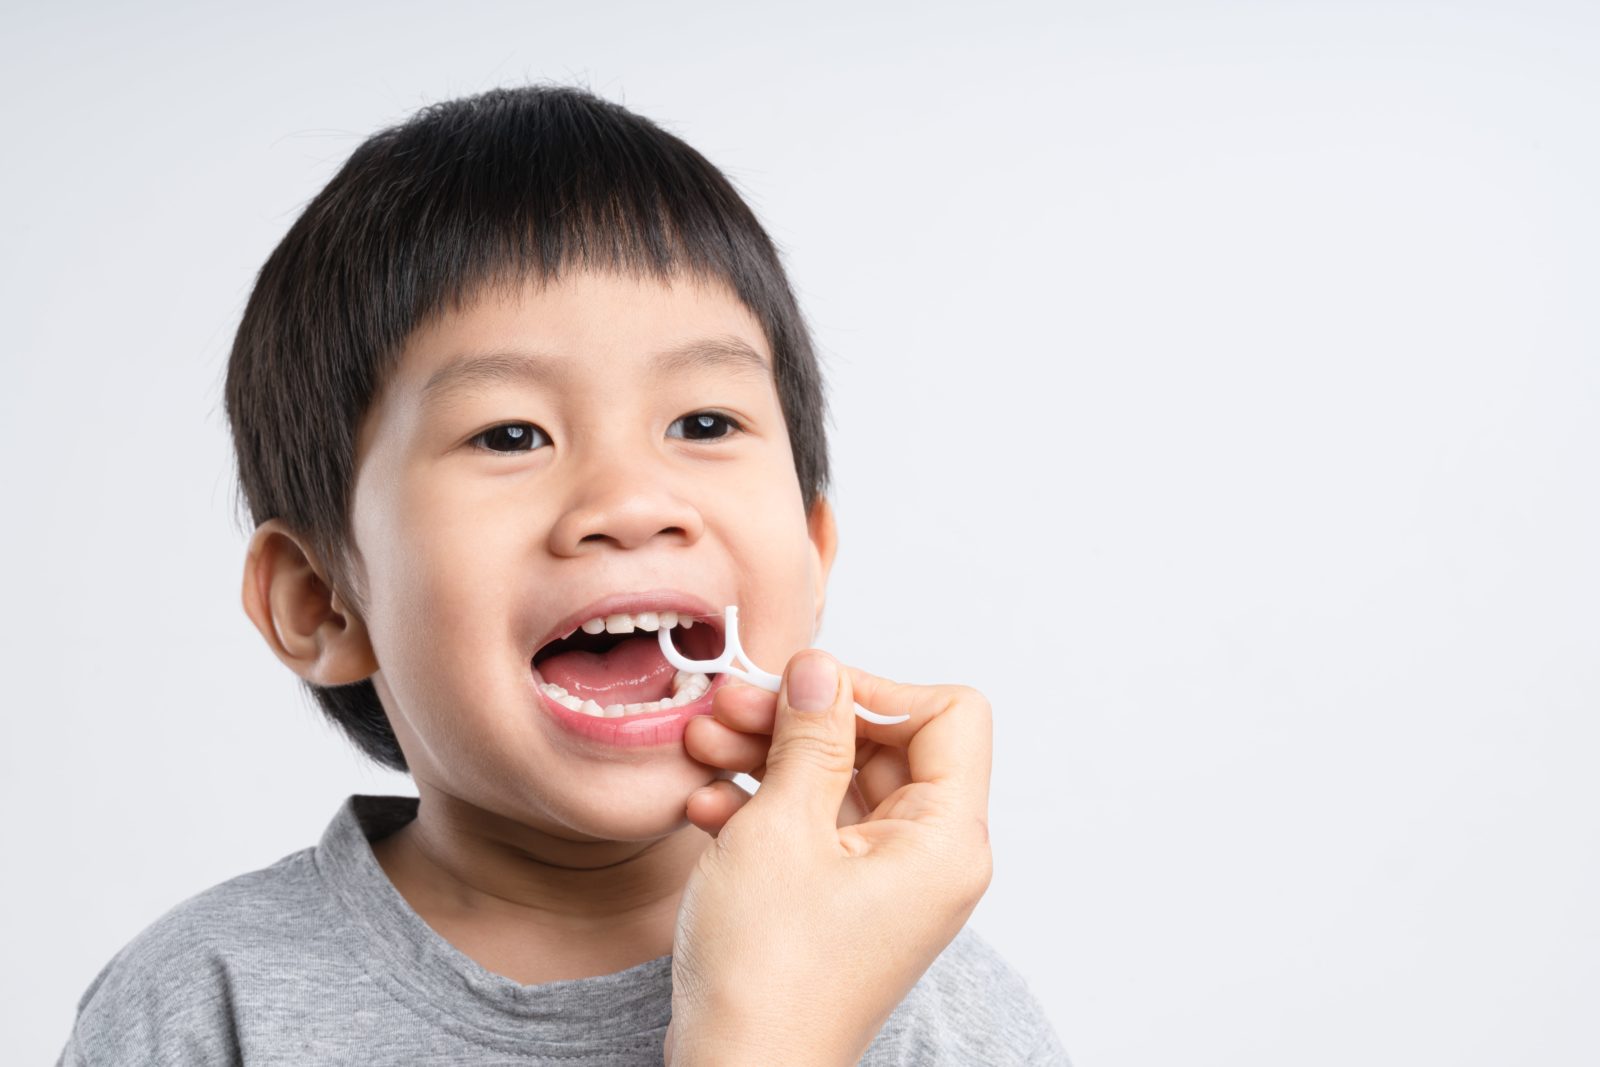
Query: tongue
[633,671]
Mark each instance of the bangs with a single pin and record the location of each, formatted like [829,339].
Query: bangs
[501,189]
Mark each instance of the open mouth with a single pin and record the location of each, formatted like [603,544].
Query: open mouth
[611,666]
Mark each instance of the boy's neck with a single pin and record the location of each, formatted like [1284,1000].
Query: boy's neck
[532,906]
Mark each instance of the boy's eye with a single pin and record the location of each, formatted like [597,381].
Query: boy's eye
[517,436]
[705,426]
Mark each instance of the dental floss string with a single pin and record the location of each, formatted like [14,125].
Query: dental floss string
[732,650]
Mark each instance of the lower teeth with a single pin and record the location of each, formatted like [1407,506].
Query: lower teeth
[686,689]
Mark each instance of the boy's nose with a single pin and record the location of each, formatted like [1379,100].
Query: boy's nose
[623,512]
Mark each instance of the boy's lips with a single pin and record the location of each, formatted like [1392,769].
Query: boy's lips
[647,726]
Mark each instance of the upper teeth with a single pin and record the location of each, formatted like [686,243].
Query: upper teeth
[639,620]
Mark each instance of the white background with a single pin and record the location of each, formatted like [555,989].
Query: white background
[1215,386]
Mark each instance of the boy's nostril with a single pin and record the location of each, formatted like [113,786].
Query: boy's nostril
[623,540]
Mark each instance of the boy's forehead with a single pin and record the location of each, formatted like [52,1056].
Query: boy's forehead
[552,332]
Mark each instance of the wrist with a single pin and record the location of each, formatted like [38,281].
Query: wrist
[699,1043]
[739,1051]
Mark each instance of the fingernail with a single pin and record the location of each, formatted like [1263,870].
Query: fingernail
[813,683]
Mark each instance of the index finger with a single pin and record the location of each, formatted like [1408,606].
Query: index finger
[948,739]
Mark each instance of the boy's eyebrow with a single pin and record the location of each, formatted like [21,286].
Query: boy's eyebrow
[727,353]
[466,372]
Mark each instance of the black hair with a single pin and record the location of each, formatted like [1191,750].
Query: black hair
[490,189]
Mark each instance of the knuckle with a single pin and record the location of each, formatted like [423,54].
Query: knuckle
[960,867]
[818,749]
[979,708]
[970,866]
[974,878]
[965,697]
[983,868]
[973,699]
[974,894]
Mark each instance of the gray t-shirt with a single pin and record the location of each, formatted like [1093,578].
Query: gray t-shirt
[318,959]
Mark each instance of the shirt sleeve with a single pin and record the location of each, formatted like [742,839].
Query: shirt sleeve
[1048,1052]
[969,1007]
[164,999]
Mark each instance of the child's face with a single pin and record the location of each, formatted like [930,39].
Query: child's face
[479,547]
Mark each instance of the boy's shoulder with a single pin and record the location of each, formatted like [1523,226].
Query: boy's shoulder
[970,1006]
[254,914]
[168,989]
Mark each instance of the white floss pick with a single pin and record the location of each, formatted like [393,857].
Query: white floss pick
[731,649]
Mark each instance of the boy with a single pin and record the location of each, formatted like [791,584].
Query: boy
[522,387]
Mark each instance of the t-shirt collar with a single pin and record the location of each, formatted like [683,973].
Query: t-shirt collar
[401,952]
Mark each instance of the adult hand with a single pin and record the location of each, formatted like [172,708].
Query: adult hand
[827,894]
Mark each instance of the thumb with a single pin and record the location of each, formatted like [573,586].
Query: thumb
[813,753]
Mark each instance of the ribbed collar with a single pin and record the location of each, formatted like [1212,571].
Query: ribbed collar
[401,952]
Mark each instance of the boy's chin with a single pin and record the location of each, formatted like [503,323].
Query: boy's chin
[642,804]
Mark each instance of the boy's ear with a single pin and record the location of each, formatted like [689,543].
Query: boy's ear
[304,622]
[825,543]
